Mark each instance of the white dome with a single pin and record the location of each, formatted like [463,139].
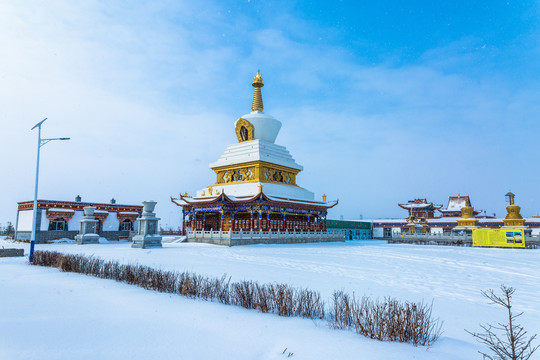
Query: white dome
[266,127]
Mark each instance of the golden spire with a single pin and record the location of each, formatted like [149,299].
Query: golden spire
[257,104]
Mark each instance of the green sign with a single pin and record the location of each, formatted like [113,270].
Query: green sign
[347,224]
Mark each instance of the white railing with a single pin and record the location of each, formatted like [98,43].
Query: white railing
[253,235]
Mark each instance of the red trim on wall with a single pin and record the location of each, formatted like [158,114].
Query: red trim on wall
[73,205]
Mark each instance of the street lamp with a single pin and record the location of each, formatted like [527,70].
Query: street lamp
[41,142]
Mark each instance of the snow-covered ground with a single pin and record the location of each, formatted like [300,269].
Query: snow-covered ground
[47,314]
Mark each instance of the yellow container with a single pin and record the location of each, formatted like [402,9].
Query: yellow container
[498,237]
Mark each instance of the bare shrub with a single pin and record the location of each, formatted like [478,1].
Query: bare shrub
[340,314]
[45,258]
[309,304]
[513,343]
[221,289]
[385,320]
[244,294]
[263,298]
[185,284]
[281,299]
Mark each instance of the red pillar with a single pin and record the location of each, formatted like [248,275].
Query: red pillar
[232,221]
[267,221]
[183,223]
[260,220]
[284,222]
[251,222]
[204,222]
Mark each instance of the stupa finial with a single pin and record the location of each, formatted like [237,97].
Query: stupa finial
[257,104]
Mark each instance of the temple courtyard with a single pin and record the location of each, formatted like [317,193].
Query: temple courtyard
[48,314]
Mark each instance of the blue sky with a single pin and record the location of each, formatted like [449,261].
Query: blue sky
[381,101]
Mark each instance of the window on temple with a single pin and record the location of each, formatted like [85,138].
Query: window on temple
[58,224]
[244,133]
[126,225]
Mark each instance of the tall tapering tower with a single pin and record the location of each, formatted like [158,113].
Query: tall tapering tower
[257,96]
[255,187]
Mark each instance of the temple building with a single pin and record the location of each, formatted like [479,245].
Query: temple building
[455,204]
[58,219]
[419,208]
[255,191]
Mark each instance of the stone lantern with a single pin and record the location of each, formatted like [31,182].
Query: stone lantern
[147,234]
[88,232]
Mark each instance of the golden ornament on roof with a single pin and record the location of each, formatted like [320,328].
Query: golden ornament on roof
[257,104]
[258,80]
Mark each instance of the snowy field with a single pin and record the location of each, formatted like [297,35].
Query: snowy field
[47,314]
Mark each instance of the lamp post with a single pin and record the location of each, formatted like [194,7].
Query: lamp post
[40,143]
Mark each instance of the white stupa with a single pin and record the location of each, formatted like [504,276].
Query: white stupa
[257,160]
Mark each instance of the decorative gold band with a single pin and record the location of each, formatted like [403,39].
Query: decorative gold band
[256,171]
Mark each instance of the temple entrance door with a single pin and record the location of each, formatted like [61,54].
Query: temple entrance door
[212,222]
[227,221]
[98,227]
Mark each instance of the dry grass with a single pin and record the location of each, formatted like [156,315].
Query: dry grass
[385,320]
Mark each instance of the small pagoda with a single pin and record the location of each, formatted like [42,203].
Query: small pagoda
[255,188]
[467,220]
[513,217]
[419,208]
